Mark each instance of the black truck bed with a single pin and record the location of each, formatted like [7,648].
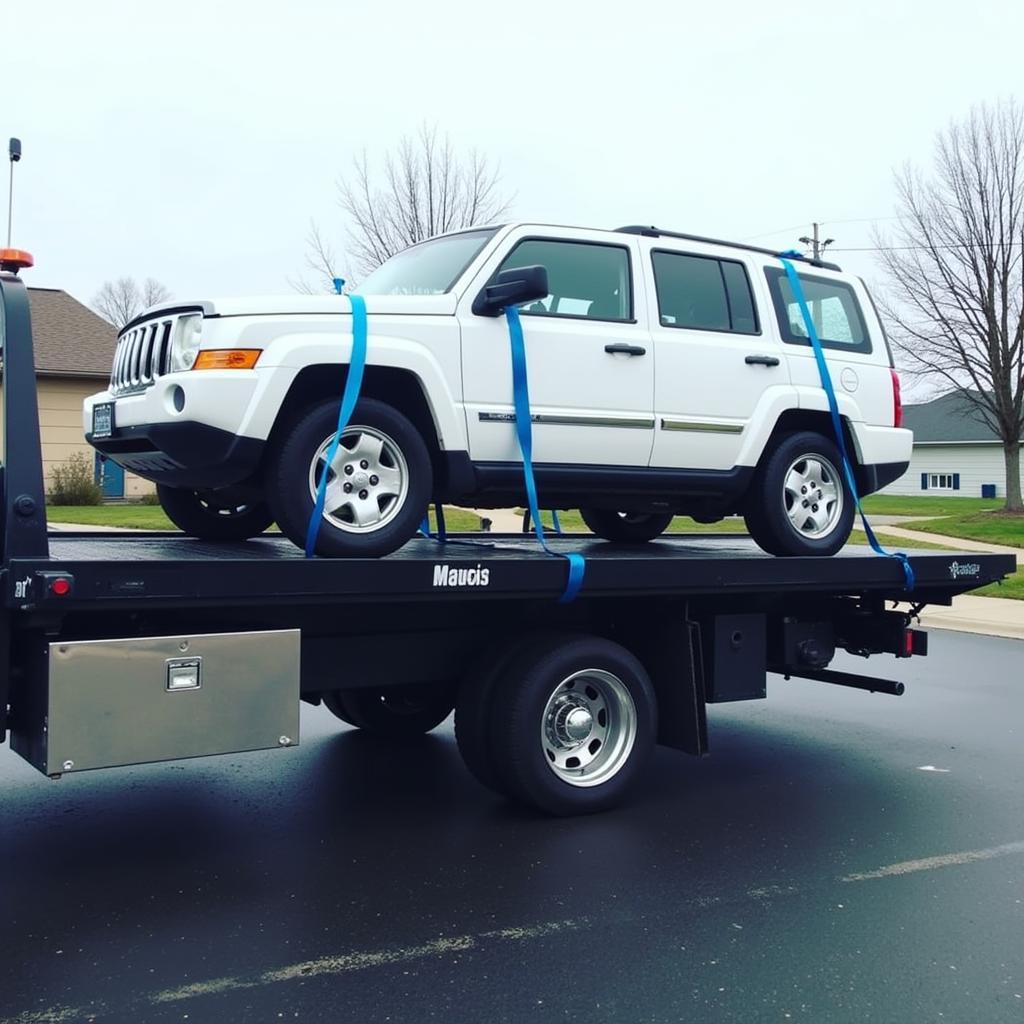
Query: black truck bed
[121,570]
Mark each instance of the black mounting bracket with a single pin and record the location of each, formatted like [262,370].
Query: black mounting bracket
[23,511]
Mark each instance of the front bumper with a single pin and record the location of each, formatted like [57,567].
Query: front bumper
[202,441]
[183,454]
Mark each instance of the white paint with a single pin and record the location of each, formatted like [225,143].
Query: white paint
[358,961]
[908,867]
[931,768]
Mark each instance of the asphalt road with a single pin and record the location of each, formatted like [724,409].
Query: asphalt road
[808,870]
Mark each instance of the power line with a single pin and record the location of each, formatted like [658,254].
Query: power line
[822,223]
[766,234]
[926,248]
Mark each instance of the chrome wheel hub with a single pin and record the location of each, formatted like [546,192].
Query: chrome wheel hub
[813,496]
[367,480]
[589,727]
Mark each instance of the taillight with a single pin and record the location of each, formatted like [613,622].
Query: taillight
[897,401]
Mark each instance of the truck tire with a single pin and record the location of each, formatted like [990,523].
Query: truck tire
[625,527]
[199,514]
[378,489]
[573,721]
[800,503]
[473,714]
[393,712]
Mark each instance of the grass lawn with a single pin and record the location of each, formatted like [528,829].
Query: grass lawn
[993,527]
[457,520]
[1012,587]
[925,505]
[138,517]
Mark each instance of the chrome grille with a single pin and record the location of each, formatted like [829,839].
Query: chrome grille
[143,353]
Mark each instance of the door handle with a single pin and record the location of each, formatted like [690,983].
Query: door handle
[624,349]
[761,361]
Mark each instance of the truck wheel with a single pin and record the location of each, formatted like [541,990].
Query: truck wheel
[473,714]
[625,527]
[393,712]
[573,721]
[800,503]
[200,514]
[378,485]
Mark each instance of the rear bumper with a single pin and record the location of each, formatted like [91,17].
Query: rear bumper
[183,454]
[881,474]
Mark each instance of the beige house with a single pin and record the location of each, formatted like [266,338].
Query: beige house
[74,349]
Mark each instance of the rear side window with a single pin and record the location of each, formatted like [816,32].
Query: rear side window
[702,293]
[834,309]
[586,279]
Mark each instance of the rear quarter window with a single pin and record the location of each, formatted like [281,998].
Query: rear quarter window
[835,312]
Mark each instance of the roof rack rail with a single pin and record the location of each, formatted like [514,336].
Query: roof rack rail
[653,232]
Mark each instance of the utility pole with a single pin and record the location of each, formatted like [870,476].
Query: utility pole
[14,152]
[818,247]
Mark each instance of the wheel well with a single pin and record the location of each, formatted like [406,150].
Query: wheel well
[398,388]
[793,420]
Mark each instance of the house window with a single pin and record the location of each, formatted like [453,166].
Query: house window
[942,481]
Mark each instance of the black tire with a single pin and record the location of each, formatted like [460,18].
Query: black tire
[393,712]
[332,701]
[200,514]
[520,717]
[473,718]
[291,470]
[625,527]
[768,503]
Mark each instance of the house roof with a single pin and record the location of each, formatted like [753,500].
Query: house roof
[70,339]
[949,419]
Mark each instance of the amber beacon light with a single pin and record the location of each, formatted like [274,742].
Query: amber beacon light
[13,260]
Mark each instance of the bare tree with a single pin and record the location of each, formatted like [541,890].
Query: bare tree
[957,303]
[321,260]
[122,300]
[422,188]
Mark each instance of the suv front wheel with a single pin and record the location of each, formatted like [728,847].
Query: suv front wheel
[378,483]
[208,516]
[800,503]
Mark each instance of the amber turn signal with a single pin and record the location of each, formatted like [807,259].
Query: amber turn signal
[227,359]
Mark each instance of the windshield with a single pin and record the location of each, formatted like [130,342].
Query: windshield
[430,268]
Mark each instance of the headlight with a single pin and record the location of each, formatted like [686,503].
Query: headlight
[188,333]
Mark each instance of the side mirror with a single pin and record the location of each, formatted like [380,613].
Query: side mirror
[510,288]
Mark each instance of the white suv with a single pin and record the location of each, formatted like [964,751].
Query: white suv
[669,374]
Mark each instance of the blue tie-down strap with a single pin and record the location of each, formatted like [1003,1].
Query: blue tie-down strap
[442,532]
[837,423]
[349,397]
[524,431]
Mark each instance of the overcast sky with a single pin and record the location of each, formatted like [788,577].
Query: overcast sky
[193,142]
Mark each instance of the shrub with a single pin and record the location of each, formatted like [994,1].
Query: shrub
[72,483]
[147,499]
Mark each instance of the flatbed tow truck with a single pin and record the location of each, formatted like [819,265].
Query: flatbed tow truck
[120,649]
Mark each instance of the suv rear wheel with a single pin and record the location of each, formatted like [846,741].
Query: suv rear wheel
[378,484]
[625,527]
[800,503]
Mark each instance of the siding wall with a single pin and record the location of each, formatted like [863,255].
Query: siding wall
[977,464]
[60,426]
